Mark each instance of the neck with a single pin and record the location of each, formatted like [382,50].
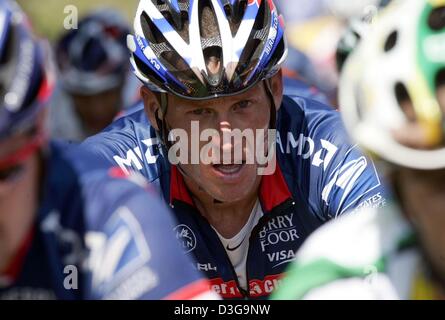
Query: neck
[18,204]
[228,218]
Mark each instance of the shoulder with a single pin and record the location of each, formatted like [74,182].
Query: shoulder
[304,121]
[297,87]
[345,253]
[130,142]
[310,117]
[74,172]
[315,145]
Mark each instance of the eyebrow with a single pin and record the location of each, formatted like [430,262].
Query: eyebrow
[197,104]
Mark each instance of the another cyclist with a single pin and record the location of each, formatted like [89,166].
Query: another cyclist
[93,70]
[69,230]
[393,102]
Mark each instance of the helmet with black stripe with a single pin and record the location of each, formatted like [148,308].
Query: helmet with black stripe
[201,49]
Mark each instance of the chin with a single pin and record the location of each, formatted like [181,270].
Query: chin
[229,198]
[231,193]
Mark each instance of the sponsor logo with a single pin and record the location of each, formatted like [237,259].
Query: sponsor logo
[375,201]
[135,159]
[233,249]
[206,267]
[322,153]
[122,237]
[227,290]
[281,257]
[278,230]
[259,288]
[345,178]
[186,237]
[273,36]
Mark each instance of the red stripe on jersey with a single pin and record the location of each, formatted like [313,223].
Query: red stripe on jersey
[15,266]
[190,291]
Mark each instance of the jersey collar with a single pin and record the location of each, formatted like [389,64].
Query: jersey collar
[12,271]
[273,189]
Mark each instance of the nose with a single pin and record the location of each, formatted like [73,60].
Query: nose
[231,143]
[225,130]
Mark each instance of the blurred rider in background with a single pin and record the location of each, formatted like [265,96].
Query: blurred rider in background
[69,230]
[392,93]
[93,69]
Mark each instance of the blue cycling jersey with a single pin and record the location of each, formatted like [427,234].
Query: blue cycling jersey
[320,175]
[98,235]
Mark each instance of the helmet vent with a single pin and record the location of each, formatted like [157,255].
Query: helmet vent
[391,41]
[405,102]
[211,43]
[235,13]
[436,20]
[254,47]
[151,32]
[440,88]
[161,47]
[170,13]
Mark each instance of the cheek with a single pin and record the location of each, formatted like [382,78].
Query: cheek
[257,118]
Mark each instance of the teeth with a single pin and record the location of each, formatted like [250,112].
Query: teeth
[228,168]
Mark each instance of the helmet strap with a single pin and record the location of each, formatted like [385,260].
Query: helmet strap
[273,107]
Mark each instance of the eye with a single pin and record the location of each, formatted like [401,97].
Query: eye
[242,105]
[200,111]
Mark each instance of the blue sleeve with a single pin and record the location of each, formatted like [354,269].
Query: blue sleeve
[129,142]
[133,253]
[341,177]
[295,87]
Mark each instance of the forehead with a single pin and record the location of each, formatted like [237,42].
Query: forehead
[256,91]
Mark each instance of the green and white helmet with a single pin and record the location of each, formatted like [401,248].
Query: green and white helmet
[392,89]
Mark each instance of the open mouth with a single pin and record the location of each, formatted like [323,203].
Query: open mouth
[228,169]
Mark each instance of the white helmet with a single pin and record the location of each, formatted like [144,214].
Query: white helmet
[389,87]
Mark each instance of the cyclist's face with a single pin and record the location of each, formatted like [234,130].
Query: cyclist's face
[98,111]
[238,177]
[12,174]
[423,197]
[18,196]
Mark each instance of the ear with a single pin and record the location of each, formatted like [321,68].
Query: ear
[151,105]
[276,84]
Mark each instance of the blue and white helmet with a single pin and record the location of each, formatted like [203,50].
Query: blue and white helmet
[26,80]
[201,49]
[93,58]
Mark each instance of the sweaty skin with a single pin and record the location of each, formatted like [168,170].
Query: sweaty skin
[97,111]
[234,188]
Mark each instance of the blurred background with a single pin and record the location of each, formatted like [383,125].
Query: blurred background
[314,29]
[47,16]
